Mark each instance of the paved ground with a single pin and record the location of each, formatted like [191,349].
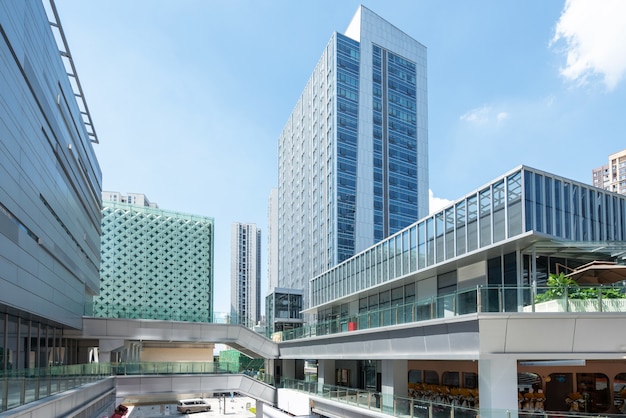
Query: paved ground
[236,408]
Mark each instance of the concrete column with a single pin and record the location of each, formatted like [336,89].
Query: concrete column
[394,381]
[105,348]
[289,369]
[104,357]
[136,352]
[325,373]
[259,409]
[132,352]
[497,387]
[269,367]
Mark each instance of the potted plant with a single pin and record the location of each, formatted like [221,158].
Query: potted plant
[564,294]
[558,287]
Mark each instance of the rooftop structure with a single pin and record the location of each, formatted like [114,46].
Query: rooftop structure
[137,199]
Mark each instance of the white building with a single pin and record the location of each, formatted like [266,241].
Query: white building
[612,176]
[245,274]
[137,199]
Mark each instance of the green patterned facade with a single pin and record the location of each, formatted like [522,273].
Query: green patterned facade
[156,264]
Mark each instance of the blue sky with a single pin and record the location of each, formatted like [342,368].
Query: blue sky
[188,97]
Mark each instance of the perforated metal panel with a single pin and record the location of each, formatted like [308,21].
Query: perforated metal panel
[156,264]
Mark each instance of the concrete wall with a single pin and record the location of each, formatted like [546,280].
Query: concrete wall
[176,354]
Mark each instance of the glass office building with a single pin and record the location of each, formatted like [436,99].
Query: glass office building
[513,231]
[156,264]
[353,163]
[283,310]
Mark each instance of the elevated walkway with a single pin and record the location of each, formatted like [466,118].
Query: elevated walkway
[146,385]
[573,335]
[238,337]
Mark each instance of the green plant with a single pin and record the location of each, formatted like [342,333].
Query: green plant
[557,284]
[592,293]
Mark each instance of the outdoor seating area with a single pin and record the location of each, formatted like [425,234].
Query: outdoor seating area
[464,397]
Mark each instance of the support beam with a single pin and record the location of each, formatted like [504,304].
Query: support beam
[497,386]
[394,381]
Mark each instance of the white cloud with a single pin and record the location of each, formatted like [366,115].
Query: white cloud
[478,116]
[436,203]
[483,115]
[594,33]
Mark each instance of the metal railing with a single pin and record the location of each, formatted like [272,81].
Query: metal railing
[19,387]
[471,301]
[25,386]
[407,407]
[124,312]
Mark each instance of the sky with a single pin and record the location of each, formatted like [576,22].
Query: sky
[189,97]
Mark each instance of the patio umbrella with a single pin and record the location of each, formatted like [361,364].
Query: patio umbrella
[599,273]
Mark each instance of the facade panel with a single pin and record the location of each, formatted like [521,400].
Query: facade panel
[156,264]
[51,180]
[482,220]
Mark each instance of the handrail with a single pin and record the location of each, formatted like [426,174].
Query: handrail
[472,301]
[404,406]
[19,387]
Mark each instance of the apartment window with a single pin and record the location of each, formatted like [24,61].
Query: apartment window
[514,203]
[472,223]
[460,228]
[449,226]
[499,232]
[439,231]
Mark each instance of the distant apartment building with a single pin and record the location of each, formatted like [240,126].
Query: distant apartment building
[353,155]
[612,176]
[245,273]
[156,264]
[137,199]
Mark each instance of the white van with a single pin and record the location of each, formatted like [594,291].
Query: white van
[187,406]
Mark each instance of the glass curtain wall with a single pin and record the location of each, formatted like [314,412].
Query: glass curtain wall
[523,201]
[28,344]
[348,56]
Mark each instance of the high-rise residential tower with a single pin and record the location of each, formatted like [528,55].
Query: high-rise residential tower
[353,156]
[612,176]
[245,273]
[156,264]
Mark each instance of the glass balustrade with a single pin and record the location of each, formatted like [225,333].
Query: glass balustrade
[470,301]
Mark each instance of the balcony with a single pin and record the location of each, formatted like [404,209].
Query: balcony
[596,298]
